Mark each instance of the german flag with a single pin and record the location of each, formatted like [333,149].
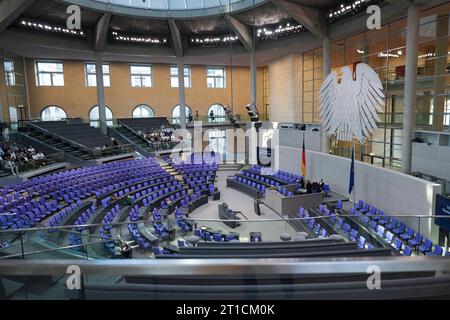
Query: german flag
[303,158]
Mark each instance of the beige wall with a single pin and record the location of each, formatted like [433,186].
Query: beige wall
[285,89]
[77,99]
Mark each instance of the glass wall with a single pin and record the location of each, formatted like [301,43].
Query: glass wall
[13,95]
[384,50]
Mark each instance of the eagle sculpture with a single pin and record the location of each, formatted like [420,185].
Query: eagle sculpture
[349,108]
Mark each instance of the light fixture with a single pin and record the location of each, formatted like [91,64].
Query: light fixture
[214,40]
[46,27]
[278,32]
[349,8]
[122,37]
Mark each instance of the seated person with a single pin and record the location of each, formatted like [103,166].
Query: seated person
[308,186]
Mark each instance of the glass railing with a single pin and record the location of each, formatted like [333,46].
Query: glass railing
[99,241]
[104,269]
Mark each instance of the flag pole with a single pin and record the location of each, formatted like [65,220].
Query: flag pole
[354,192]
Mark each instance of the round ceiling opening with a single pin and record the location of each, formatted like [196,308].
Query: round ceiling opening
[170,8]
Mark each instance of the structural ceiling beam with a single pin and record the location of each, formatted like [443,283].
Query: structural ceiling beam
[176,38]
[11,10]
[312,19]
[243,32]
[101,32]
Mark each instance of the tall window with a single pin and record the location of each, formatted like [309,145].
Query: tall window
[53,113]
[174,76]
[143,111]
[218,113]
[176,113]
[91,77]
[141,76]
[10,75]
[94,117]
[215,77]
[49,74]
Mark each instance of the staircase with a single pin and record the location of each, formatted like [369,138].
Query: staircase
[129,136]
[57,143]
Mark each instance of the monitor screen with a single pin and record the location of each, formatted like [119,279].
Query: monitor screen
[443,209]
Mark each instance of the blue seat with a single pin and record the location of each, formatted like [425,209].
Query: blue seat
[408,234]
[389,237]
[398,244]
[401,227]
[407,251]
[426,246]
[346,228]
[361,242]
[360,204]
[353,235]
[436,252]
[380,231]
[417,240]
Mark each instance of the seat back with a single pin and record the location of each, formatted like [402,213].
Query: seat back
[407,251]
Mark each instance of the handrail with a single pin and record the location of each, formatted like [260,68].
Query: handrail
[117,224]
[205,267]
[129,128]
[21,255]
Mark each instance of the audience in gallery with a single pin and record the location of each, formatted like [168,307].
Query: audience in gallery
[162,138]
[12,156]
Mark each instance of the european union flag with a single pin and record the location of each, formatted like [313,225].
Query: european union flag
[352,172]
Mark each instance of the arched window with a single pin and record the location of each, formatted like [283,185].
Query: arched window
[176,113]
[94,118]
[53,113]
[143,111]
[218,113]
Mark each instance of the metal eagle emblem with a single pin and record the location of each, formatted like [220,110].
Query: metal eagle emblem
[350,108]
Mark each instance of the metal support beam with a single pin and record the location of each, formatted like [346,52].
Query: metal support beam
[11,10]
[312,19]
[409,99]
[101,32]
[243,32]
[253,96]
[176,38]
[181,93]
[100,92]
[326,68]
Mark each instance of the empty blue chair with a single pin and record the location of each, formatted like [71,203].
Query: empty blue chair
[401,227]
[408,234]
[373,225]
[436,252]
[361,242]
[407,251]
[353,235]
[380,231]
[389,237]
[346,228]
[426,246]
[398,244]
[417,240]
